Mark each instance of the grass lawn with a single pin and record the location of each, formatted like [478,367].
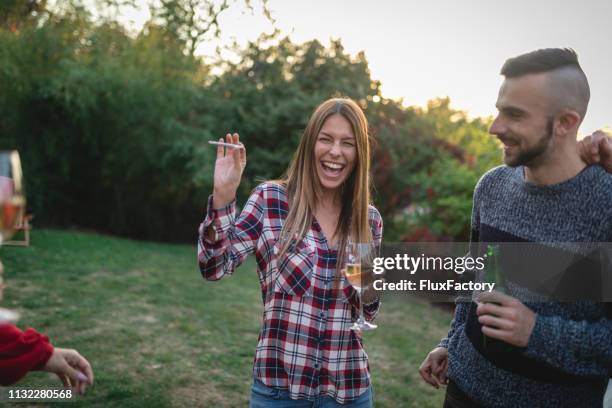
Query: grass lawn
[157,334]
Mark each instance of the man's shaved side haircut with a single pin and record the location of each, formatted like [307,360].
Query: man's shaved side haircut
[568,84]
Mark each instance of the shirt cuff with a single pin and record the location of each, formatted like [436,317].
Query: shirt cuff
[47,351]
[544,337]
[443,343]
[370,309]
[221,220]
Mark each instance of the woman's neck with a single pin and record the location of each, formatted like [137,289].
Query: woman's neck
[327,214]
[329,201]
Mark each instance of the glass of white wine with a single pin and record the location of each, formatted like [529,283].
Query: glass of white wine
[358,259]
[12,206]
[12,198]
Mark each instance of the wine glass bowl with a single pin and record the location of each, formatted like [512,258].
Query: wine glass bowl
[353,275]
[358,259]
[12,198]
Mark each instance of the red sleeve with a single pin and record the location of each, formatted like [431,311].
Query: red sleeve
[20,352]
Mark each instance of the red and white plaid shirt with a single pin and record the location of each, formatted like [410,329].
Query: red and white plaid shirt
[305,345]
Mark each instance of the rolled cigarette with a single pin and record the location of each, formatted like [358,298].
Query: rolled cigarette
[230,145]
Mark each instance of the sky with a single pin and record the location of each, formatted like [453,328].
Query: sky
[420,50]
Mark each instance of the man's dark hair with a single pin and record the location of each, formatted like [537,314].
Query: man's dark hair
[544,60]
[568,86]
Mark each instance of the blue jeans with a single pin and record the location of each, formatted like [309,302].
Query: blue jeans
[263,396]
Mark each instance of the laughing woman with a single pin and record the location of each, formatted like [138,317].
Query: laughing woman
[298,228]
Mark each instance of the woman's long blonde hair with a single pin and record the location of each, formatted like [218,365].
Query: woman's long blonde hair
[304,187]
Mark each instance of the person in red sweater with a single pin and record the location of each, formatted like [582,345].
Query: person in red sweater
[28,350]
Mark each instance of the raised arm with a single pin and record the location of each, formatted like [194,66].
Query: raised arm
[224,242]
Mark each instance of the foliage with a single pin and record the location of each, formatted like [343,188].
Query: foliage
[444,188]
[15,14]
[444,202]
[112,126]
[193,21]
[98,119]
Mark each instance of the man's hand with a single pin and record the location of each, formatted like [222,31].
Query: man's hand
[71,368]
[435,366]
[505,318]
[597,149]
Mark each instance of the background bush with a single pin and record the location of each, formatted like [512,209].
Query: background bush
[113,127]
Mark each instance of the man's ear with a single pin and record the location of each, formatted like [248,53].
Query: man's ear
[567,122]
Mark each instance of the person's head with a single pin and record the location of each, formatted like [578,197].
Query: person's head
[334,150]
[541,103]
[332,160]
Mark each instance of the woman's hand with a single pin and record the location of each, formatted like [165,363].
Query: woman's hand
[434,368]
[71,368]
[597,149]
[228,170]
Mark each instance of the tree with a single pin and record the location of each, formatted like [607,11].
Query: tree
[193,21]
[112,127]
[16,13]
[463,150]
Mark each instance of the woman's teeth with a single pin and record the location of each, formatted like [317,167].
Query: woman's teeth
[333,168]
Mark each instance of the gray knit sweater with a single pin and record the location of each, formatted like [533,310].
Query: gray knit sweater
[569,355]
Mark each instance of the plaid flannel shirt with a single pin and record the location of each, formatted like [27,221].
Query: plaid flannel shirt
[305,345]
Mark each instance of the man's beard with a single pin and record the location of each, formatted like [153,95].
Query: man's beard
[532,156]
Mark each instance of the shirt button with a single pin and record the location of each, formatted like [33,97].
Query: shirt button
[316,366]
